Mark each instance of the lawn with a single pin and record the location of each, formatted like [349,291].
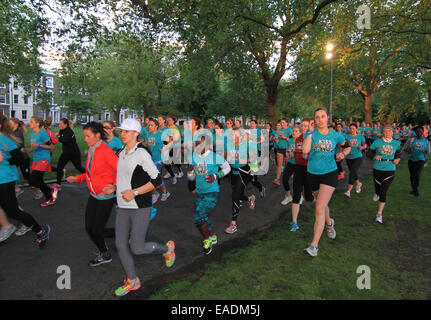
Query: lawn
[274,266]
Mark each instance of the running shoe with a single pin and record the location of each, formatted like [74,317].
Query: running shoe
[170,255]
[174,180]
[43,238]
[22,230]
[155,197]
[18,192]
[50,202]
[54,194]
[263,193]
[312,250]
[167,176]
[57,186]
[358,187]
[347,194]
[302,199]
[100,259]
[251,201]
[286,200]
[213,239]
[6,232]
[231,229]
[379,218]
[165,196]
[376,198]
[275,181]
[294,226]
[331,231]
[37,194]
[180,175]
[207,246]
[129,285]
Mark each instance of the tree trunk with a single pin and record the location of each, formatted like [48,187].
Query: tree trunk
[429,100]
[271,104]
[368,109]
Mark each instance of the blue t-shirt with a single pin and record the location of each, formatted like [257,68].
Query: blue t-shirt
[355,142]
[143,134]
[418,148]
[237,156]
[8,172]
[322,153]
[155,143]
[40,154]
[274,138]
[115,144]
[204,166]
[291,148]
[282,143]
[386,151]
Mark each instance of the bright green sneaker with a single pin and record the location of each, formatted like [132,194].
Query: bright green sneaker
[213,239]
[170,255]
[207,246]
[129,285]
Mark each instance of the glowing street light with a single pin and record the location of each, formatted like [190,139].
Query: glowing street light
[329,56]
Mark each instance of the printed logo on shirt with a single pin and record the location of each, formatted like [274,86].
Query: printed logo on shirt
[419,146]
[354,143]
[201,169]
[323,146]
[152,141]
[386,150]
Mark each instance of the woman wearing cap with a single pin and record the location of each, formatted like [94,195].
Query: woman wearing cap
[137,177]
[101,170]
[319,147]
[387,156]
[417,147]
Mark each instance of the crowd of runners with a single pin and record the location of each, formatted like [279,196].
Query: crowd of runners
[124,172]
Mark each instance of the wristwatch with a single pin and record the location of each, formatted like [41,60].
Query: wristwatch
[136,192]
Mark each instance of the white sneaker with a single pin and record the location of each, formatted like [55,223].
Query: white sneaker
[6,232]
[286,200]
[180,175]
[22,230]
[312,250]
[358,188]
[376,198]
[347,194]
[302,200]
[167,176]
[331,231]
[174,180]
[379,218]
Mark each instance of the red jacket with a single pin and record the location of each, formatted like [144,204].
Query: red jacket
[103,169]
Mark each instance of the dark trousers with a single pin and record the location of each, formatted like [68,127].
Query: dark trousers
[9,204]
[36,180]
[353,165]
[287,173]
[415,168]
[382,181]
[97,214]
[64,159]
[300,183]
[238,183]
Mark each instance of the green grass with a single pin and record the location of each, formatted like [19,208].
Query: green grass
[274,265]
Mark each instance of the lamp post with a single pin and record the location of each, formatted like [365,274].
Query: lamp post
[329,56]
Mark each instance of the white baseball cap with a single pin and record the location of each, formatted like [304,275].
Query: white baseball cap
[130,124]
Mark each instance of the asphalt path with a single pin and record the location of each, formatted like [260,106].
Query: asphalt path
[26,272]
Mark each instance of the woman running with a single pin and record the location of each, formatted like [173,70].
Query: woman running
[290,167]
[137,176]
[205,171]
[283,137]
[387,156]
[70,152]
[10,157]
[417,147]
[340,170]
[101,170]
[41,146]
[354,158]
[111,135]
[320,144]
[18,128]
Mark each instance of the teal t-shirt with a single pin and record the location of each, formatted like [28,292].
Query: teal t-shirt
[143,134]
[8,172]
[418,147]
[386,151]
[237,156]
[282,143]
[291,148]
[204,166]
[355,142]
[322,153]
[155,143]
[40,154]
[275,138]
[115,144]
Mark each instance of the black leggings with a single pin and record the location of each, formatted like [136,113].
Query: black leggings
[300,183]
[382,181]
[339,167]
[415,168]
[353,165]
[238,183]
[97,214]
[64,159]
[36,180]
[9,204]
[287,173]
[24,166]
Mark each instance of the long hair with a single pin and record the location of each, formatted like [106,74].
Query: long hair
[21,124]
[95,127]
[6,128]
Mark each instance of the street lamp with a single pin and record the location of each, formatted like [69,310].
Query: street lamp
[329,56]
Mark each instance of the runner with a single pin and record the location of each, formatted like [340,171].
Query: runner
[290,167]
[10,157]
[165,138]
[354,158]
[340,170]
[101,170]
[320,144]
[387,152]
[283,137]
[18,128]
[417,147]
[111,136]
[255,148]
[137,176]
[205,170]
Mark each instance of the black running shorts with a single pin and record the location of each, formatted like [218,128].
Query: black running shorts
[329,179]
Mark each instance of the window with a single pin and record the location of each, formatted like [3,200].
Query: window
[15,98]
[15,85]
[52,96]
[12,113]
[49,82]
[25,99]
[24,114]
[100,117]
[2,85]
[2,99]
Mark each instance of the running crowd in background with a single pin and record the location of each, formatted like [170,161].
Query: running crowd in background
[124,171]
